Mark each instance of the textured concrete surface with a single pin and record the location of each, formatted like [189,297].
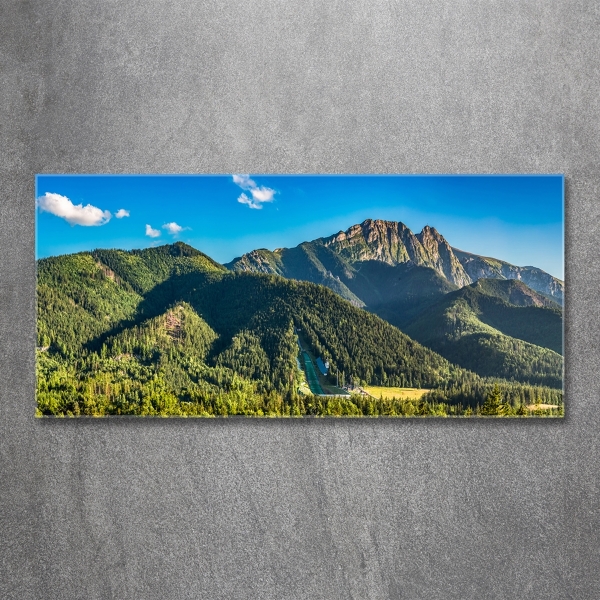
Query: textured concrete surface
[313,509]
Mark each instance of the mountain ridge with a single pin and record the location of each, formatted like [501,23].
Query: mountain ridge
[391,243]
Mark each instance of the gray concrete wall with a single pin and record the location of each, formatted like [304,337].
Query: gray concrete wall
[152,509]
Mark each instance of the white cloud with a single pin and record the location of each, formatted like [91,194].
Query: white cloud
[258,194]
[263,194]
[173,228]
[153,233]
[243,181]
[74,214]
[243,199]
[121,213]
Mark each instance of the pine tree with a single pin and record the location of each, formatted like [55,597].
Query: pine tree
[493,401]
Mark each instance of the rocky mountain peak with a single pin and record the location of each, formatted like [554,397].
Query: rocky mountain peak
[382,224]
[430,233]
[391,243]
[373,239]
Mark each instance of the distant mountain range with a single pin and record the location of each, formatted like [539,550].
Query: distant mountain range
[168,330]
[361,263]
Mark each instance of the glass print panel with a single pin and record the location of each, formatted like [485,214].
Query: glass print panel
[300,295]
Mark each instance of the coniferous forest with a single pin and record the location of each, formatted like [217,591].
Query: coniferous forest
[167,331]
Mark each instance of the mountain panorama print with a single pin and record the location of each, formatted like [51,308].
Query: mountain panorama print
[296,296]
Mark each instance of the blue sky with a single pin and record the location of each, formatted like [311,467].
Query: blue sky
[514,218]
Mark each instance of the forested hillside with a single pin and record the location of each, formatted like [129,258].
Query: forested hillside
[479,330]
[168,331]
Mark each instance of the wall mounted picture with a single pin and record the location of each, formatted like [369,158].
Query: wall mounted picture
[300,296]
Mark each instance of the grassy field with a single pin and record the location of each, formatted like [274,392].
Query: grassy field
[394,392]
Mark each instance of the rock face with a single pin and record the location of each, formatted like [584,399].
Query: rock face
[513,291]
[384,241]
[259,261]
[393,243]
[442,258]
[479,267]
[344,261]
